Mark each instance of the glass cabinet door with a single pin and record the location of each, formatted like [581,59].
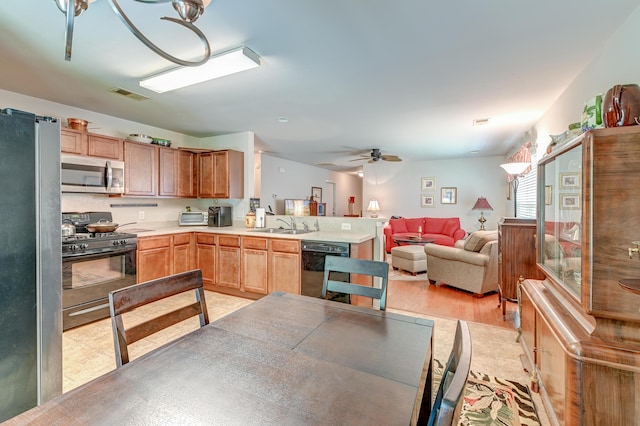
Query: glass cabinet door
[560,210]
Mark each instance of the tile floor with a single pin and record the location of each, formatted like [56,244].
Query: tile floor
[87,351]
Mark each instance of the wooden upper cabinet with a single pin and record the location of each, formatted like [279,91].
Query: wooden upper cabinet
[140,169]
[76,142]
[104,146]
[221,174]
[73,141]
[168,172]
[187,176]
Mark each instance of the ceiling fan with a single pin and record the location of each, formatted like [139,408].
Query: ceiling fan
[376,155]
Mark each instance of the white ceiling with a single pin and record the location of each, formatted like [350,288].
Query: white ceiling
[406,76]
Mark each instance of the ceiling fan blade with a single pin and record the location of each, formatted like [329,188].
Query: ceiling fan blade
[391,158]
[359,159]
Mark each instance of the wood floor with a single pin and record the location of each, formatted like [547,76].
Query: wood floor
[424,298]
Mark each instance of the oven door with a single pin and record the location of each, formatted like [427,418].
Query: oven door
[87,281]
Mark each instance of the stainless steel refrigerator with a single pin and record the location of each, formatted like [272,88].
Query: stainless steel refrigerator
[30,262]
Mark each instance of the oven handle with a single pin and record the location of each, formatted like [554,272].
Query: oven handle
[109,176]
[89,310]
[98,255]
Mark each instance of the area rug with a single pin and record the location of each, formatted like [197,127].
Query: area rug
[492,400]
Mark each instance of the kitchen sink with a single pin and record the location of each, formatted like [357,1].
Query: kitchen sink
[281,231]
[272,230]
[294,231]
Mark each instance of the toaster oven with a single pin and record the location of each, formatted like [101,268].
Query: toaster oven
[193,219]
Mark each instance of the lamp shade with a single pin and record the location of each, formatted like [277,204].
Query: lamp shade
[482,204]
[373,207]
[515,168]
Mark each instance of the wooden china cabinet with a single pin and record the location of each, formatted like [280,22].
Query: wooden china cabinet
[580,327]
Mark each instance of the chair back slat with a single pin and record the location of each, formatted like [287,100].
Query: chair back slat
[449,398]
[360,267]
[127,299]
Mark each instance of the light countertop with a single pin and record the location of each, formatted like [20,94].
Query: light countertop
[340,237]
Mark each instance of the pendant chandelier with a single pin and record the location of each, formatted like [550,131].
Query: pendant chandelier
[189,11]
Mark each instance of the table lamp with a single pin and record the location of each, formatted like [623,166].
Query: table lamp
[374,208]
[482,204]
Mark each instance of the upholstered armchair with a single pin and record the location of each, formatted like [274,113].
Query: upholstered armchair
[470,265]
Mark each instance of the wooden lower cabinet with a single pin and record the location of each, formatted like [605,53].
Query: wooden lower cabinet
[164,255]
[233,264]
[584,380]
[362,251]
[284,266]
[206,258]
[183,252]
[228,258]
[255,264]
[153,257]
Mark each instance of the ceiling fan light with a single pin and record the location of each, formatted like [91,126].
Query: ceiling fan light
[189,10]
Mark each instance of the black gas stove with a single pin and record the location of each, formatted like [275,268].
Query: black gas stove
[87,243]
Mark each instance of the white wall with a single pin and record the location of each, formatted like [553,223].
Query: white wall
[617,62]
[398,188]
[98,123]
[282,179]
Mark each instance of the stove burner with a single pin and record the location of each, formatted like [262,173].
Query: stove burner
[85,243]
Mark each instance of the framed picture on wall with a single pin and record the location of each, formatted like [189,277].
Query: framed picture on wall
[316,193]
[427,200]
[570,180]
[448,195]
[428,184]
[569,201]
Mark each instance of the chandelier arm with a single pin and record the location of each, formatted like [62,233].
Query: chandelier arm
[207,49]
[68,34]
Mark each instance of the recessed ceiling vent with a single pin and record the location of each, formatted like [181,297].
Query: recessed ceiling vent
[480,121]
[128,94]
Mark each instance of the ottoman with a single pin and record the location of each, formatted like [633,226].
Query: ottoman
[409,258]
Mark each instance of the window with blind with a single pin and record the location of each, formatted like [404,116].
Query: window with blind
[526,196]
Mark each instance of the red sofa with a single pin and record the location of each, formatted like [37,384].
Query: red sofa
[445,230]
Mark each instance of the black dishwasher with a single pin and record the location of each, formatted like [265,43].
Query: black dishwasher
[313,255]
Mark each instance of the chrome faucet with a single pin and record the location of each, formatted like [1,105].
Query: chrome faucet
[285,222]
[305,226]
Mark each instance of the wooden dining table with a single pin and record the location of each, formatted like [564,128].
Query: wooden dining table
[284,359]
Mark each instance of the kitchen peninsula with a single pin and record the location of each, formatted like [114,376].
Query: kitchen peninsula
[246,262]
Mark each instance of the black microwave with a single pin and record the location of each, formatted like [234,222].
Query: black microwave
[91,174]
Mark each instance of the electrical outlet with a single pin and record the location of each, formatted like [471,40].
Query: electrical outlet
[346,227]
[140,215]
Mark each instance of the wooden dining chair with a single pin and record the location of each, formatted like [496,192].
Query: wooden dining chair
[449,398]
[351,265]
[130,298]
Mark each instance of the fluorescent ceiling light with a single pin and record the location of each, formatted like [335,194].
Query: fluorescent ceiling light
[229,62]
